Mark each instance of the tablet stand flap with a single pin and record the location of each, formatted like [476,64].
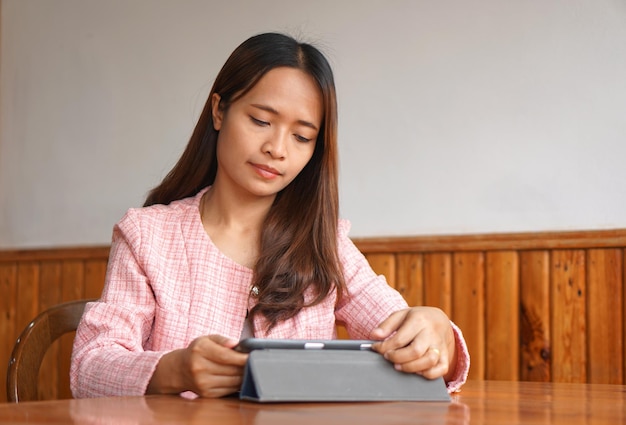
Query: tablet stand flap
[277,375]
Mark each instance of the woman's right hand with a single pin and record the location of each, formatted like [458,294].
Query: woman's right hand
[208,366]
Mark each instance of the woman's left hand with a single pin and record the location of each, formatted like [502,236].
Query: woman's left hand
[418,340]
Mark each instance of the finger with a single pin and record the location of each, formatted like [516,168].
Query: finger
[407,345]
[407,332]
[402,339]
[438,370]
[211,385]
[202,369]
[208,381]
[211,348]
[218,369]
[431,364]
[224,341]
[405,352]
[389,325]
[441,369]
[218,392]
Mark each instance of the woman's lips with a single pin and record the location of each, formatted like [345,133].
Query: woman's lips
[266,171]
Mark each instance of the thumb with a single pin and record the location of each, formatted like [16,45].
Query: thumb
[389,325]
[224,341]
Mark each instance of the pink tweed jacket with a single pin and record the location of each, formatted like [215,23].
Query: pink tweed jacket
[167,284]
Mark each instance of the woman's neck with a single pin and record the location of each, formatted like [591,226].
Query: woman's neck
[233,211]
[234,223]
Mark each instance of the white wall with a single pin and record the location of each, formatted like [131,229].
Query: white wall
[455,116]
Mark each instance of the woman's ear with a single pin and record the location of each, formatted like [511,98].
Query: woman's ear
[216,111]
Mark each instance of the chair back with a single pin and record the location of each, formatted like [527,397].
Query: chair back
[32,344]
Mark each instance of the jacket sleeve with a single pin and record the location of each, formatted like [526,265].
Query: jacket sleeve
[108,357]
[370,300]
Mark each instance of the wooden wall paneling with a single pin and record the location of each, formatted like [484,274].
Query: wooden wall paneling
[409,275]
[8,303]
[568,296]
[49,284]
[384,264]
[565,302]
[95,271]
[49,295]
[27,300]
[535,348]
[502,315]
[468,306]
[73,287]
[73,280]
[438,281]
[27,293]
[612,238]
[605,313]
[342,333]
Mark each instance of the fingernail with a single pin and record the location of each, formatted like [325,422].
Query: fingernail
[397,367]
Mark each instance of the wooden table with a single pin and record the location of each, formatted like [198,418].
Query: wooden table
[478,403]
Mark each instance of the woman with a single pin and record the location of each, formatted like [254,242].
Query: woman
[243,238]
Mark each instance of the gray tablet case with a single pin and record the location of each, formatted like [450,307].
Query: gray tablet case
[278,375]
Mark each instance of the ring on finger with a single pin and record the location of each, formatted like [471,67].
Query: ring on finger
[435,350]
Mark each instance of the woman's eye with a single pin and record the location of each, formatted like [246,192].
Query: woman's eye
[302,138]
[259,122]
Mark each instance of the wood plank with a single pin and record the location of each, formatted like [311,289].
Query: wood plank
[568,316]
[95,271]
[73,286]
[49,284]
[49,295]
[384,264]
[56,254]
[410,282]
[605,313]
[407,244]
[438,281]
[27,305]
[72,280]
[535,350]
[468,306]
[342,332]
[494,242]
[502,322]
[8,302]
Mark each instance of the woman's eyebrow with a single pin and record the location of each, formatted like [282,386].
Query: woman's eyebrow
[275,112]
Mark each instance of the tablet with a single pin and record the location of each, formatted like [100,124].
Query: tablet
[249,344]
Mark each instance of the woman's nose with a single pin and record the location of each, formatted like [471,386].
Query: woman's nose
[276,145]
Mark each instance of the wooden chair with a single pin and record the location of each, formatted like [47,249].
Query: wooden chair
[32,344]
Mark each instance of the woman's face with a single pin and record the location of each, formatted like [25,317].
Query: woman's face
[267,136]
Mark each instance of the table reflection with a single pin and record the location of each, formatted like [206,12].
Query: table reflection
[172,409]
[493,402]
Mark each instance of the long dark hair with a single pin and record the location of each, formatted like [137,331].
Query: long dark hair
[298,245]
